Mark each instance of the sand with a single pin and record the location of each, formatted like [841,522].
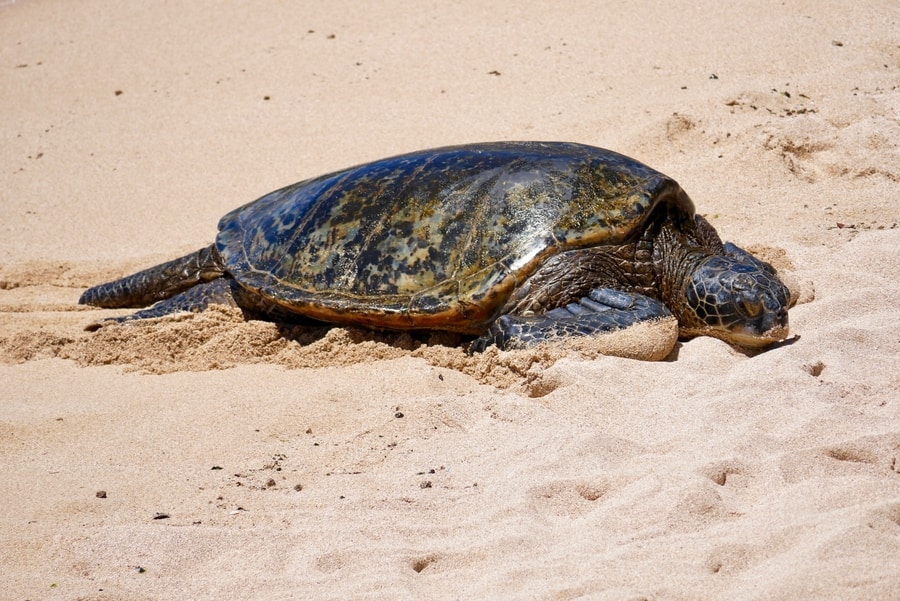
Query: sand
[207,457]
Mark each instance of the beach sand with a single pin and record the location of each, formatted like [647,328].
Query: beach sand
[205,457]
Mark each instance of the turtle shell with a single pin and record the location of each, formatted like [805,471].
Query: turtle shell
[437,238]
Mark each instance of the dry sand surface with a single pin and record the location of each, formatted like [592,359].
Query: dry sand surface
[204,457]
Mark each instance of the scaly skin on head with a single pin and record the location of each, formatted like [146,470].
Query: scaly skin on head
[719,290]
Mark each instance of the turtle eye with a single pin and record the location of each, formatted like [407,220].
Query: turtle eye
[751,307]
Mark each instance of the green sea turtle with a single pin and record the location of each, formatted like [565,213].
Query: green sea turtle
[514,243]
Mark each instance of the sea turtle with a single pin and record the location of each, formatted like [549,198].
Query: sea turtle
[512,242]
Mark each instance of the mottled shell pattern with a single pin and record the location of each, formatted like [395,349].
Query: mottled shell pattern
[438,238]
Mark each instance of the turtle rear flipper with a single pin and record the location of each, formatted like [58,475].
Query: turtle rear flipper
[221,291]
[157,283]
[603,310]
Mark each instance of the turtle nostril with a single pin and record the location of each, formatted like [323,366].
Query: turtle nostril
[782,316]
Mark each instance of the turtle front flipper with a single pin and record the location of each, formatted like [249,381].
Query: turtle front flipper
[157,283]
[603,310]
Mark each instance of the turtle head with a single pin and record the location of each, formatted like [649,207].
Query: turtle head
[736,297]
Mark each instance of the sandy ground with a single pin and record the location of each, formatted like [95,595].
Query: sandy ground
[210,458]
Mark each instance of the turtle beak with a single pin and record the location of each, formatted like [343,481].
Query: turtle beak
[751,339]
